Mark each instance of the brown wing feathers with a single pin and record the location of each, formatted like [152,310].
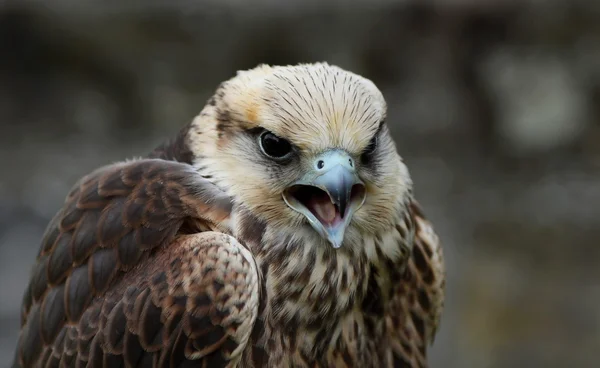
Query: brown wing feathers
[418,297]
[111,221]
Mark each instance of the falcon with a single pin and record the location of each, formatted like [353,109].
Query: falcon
[277,229]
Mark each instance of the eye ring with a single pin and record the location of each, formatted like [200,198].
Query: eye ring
[273,146]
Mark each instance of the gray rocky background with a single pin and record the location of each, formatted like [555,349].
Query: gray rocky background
[494,105]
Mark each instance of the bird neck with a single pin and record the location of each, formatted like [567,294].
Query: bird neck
[305,280]
[315,290]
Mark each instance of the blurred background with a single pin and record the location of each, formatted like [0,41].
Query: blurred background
[495,106]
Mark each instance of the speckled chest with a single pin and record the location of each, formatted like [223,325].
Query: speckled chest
[322,318]
[321,307]
[352,343]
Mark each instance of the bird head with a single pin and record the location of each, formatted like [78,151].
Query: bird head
[303,147]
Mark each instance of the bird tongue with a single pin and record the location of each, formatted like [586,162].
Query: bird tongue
[322,207]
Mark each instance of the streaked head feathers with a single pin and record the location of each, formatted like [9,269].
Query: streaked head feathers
[315,107]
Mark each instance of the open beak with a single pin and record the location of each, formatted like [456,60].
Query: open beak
[328,195]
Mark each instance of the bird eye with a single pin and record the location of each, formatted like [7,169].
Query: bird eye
[273,146]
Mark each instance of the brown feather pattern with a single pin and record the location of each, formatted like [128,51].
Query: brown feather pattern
[158,262]
[113,221]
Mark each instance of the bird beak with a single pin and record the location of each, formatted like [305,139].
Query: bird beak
[328,195]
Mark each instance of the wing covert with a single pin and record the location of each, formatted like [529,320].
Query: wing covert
[112,220]
[418,297]
[195,301]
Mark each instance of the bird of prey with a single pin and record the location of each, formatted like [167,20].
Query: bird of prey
[278,229]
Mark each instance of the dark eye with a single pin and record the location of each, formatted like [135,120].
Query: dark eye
[273,146]
[368,152]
